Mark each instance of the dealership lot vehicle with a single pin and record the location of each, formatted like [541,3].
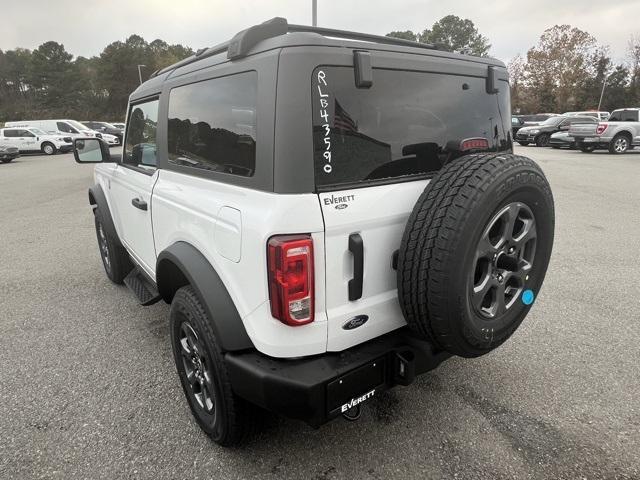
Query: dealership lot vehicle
[34,139]
[589,113]
[562,140]
[66,128]
[99,386]
[105,127]
[270,304]
[8,153]
[541,134]
[517,123]
[618,134]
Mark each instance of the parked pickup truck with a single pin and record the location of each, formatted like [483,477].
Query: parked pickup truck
[619,134]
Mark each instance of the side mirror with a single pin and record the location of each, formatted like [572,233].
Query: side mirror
[91,150]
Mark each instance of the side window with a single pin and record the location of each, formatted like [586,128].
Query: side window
[26,133]
[212,124]
[10,133]
[65,127]
[140,144]
[624,116]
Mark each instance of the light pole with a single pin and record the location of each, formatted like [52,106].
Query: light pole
[140,73]
[602,92]
[314,13]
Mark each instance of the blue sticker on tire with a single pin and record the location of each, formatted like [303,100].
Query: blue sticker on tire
[527,297]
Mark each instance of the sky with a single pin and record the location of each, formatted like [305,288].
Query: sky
[512,26]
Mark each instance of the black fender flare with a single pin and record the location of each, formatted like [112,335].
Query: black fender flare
[98,200]
[182,264]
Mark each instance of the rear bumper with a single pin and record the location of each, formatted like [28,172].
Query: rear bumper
[317,389]
[597,142]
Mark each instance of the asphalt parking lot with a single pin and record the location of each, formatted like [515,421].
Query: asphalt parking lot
[88,388]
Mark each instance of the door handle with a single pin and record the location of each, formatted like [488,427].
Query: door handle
[139,203]
[356,247]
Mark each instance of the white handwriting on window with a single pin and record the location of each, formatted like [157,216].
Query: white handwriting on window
[324,114]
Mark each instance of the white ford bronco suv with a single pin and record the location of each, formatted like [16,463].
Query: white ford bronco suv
[328,213]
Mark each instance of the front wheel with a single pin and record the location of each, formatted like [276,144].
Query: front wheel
[6,160]
[48,148]
[543,140]
[115,258]
[225,417]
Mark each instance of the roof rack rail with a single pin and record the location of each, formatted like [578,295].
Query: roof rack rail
[367,37]
[245,40]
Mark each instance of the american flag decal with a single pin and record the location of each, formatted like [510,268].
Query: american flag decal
[342,120]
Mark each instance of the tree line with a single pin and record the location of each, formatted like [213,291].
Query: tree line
[564,71]
[49,82]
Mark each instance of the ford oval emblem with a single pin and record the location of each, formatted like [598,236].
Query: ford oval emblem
[341,206]
[355,322]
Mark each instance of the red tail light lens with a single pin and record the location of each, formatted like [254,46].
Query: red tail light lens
[474,144]
[290,262]
[601,128]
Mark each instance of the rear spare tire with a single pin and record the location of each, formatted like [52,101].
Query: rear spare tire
[475,252]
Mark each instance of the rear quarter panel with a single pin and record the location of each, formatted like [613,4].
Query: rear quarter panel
[196,210]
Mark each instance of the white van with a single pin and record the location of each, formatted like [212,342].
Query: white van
[33,139]
[68,127]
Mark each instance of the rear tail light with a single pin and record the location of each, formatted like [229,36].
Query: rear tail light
[601,128]
[290,262]
[474,144]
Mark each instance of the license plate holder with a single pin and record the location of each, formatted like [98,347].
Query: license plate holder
[356,386]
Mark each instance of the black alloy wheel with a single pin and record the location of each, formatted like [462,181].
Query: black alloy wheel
[201,366]
[543,140]
[104,249]
[504,257]
[197,369]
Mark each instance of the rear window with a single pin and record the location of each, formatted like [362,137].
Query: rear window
[407,124]
[624,116]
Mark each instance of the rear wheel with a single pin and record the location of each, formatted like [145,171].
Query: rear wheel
[475,252]
[587,148]
[543,140]
[619,144]
[48,148]
[6,160]
[225,417]
[524,144]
